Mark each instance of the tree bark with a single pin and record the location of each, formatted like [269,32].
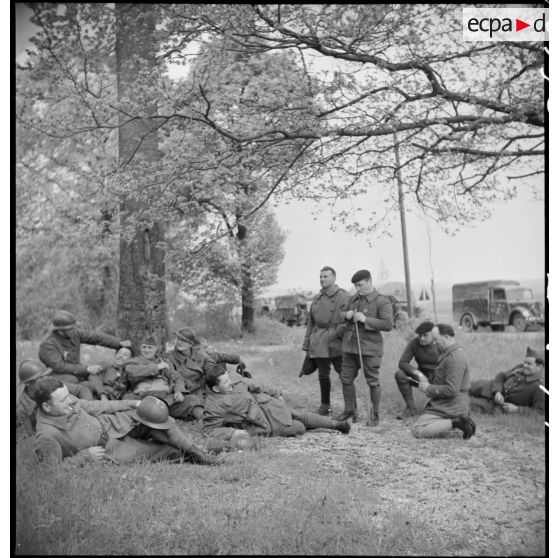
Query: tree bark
[246,280]
[142,308]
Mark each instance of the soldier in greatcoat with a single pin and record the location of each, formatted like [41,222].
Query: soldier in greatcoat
[324,331]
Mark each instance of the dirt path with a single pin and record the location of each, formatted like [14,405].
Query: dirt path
[489,491]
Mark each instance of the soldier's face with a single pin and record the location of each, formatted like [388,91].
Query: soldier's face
[67,333]
[147,351]
[426,338]
[531,366]
[122,355]
[224,384]
[182,346]
[364,286]
[327,279]
[60,403]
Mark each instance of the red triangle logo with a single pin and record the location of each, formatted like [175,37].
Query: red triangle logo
[519,25]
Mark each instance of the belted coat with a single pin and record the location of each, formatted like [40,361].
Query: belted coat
[324,328]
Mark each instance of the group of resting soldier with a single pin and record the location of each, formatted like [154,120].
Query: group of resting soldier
[126,409]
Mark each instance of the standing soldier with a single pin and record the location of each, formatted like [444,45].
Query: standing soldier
[60,349]
[371,313]
[324,331]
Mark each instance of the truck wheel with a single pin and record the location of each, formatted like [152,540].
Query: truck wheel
[519,322]
[467,322]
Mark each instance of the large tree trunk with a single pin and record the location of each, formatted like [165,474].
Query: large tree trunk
[246,279]
[141,296]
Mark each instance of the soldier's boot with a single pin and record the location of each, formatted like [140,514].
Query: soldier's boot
[375,396]
[355,408]
[349,396]
[465,424]
[325,389]
[313,420]
[196,455]
[407,393]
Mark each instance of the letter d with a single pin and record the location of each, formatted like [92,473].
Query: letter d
[542,21]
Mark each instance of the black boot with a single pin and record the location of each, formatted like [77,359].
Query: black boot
[325,390]
[343,426]
[465,424]
[196,455]
[349,398]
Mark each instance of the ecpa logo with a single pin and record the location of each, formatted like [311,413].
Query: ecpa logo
[505,24]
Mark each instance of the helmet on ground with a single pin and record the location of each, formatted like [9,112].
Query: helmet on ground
[188,334]
[154,413]
[63,320]
[31,370]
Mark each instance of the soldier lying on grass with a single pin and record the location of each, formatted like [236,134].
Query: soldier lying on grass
[232,403]
[192,363]
[117,431]
[513,391]
[149,374]
[26,408]
[112,383]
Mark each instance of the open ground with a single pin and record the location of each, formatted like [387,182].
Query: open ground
[376,491]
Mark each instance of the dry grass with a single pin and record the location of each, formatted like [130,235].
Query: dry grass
[369,493]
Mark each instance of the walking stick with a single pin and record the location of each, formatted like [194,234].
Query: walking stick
[366,391]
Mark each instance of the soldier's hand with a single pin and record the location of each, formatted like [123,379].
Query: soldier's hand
[96,453]
[178,397]
[349,315]
[510,408]
[127,344]
[498,398]
[94,369]
[162,365]
[360,317]
[423,384]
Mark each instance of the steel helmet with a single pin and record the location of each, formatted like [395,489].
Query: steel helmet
[31,370]
[154,413]
[187,334]
[63,320]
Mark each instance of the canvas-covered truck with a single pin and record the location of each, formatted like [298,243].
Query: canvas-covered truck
[292,309]
[495,304]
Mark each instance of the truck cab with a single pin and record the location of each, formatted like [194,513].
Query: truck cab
[495,304]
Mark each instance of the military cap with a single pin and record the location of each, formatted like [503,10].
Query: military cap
[63,320]
[446,329]
[360,275]
[424,327]
[149,339]
[187,334]
[31,370]
[539,359]
[153,413]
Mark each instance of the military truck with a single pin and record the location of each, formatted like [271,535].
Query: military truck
[292,309]
[496,304]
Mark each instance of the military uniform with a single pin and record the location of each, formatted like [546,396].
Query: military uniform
[62,354]
[448,393]
[379,317]
[112,382]
[192,367]
[110,424]
[517,387]
[324,331]
[145,378]
[257,409]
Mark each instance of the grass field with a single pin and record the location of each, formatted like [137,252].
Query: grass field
[372,492]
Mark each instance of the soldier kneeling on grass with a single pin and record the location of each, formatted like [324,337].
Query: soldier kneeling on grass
[233,402]
[118,431]
[513,391]
[448,406]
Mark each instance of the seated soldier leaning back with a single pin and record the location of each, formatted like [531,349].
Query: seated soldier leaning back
[193,363]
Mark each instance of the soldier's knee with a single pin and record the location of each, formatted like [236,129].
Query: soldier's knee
[400,377]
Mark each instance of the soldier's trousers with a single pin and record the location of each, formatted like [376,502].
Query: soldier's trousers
[303,421]
[429,425]
[127,449]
